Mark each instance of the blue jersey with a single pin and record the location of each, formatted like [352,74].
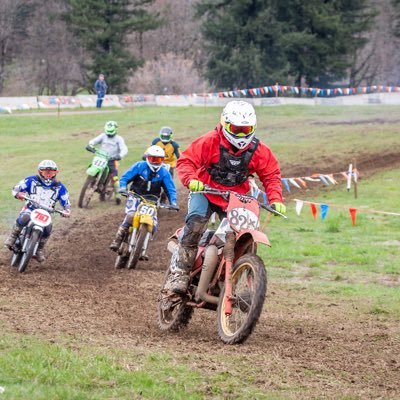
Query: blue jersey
[42,194]
[145,181]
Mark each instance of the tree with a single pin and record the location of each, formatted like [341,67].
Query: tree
[243,40]
[102,27]
[14,17]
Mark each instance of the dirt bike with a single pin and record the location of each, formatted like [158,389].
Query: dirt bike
[98,180]
[26,245]
[144,225]
[227,275]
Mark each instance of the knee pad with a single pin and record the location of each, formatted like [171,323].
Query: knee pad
[193,230]
[23,218]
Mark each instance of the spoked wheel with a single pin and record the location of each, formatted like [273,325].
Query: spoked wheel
[87,192]
[108,191]
[27,256]
[123,256]
[172,312]
[249,285]
[120,261]
[137,250]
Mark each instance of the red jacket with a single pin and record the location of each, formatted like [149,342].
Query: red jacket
[204,151]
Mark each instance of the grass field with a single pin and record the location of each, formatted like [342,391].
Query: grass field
[315,266]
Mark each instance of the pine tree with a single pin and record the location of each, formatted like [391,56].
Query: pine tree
[243,43]
[102,27]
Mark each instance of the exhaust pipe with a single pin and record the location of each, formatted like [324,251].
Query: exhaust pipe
[207,272]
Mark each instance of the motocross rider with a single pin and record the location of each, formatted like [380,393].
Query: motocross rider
[170,147]
[42,188]
[145,177]
[223,158]
[115,146]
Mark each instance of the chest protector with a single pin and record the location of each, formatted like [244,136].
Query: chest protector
[232,170]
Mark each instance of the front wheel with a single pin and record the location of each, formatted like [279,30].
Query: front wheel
[249,286]
[172,312]
[138,248]
[30,249]
[87,192]
[15,258]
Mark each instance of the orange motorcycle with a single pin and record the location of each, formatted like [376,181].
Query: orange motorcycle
[227,275]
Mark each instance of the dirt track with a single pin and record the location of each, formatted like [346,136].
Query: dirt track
[78,292]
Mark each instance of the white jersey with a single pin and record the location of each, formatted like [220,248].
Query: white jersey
[114,145]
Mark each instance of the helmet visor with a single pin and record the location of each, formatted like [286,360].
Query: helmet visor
[48,173]
[240,131]
[155,160]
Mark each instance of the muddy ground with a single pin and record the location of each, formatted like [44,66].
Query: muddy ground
[328,349]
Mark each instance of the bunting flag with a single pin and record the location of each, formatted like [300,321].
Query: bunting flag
[327,179]
[325,207]
[299,206]
[324,210]
[353,212]
[314,210]
[284,90]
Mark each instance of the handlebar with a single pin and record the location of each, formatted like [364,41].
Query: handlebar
[38,205]
[148,197]
[226,193]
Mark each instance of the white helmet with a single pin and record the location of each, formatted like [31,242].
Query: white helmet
[238,120]
[47,171]
[154,157]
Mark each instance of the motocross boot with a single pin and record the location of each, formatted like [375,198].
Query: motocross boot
[122,231]
[10,241]
[186,254]
[116,190]
[179,279]
[40,257]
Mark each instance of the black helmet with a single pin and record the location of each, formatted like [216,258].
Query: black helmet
[165,134]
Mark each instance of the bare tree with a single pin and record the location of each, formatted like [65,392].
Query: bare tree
[14,16]
[169,74]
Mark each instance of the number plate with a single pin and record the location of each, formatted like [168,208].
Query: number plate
[145,209]
[99,162]
[241,218]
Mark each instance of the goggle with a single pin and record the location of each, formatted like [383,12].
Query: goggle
[156,160]
[240,131]
[48,172]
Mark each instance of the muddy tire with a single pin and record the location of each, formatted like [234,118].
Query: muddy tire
[249,285]
[27,256]
[15,258]
[120,262]
[137,250]
[172,315]
[87,192]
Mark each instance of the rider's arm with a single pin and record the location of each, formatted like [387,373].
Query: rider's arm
[63,197]
[129,174]
[194,158]
[123,149]
[97,140]
[170,187]
[22,186]
[268,170]
[176,149]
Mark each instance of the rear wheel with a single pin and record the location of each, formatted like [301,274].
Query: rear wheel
[172,312]
[30,249]
[87,192]
[137,250]
[249,285]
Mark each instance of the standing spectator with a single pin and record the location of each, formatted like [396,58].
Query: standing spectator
[100,87]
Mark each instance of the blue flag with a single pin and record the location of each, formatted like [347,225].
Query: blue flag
[324,210]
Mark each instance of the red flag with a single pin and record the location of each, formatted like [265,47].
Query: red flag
[314,210]
[353,212]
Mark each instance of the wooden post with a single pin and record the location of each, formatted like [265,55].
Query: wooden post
[355,172]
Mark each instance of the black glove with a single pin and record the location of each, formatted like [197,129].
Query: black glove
[116,158]
[90,148]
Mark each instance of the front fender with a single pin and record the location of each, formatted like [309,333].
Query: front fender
[148,220]
[93,170]
[256,236]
